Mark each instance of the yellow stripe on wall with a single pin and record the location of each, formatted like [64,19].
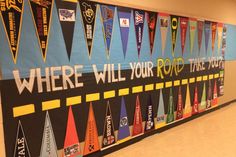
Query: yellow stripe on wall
[124,91]
[23,110]
[199,78]
[184,81]
[52,104]
[159,85]
[137,89]
[177,83]
[192,80]
[168,84]
[149,87]
[210,76]
[216,75]
[92,97]
[204,77]
[109,94]
[73,100]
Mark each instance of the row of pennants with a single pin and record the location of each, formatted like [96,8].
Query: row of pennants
[72,145]
[42,11]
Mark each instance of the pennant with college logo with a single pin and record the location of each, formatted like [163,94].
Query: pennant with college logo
[171,109]
[12,12]
[123,131]
[152,21]
[91,138]
[164,22]
[195,102]
[202,106]
[42,11]
[108,131]
[161,112]
[200,30]
[179,114]
[213,35]
[187,107]
[88,12]
[149,125]
[67,16]
[137,125]
[209,95]
[207,26]
[49,147]
[71,143]
[124,21]
[193,27]
[139,16]
[174,29]
[107,13]
[183,30]
[220,31]
[221,86]
[21,147]
[224,41]
[215,95]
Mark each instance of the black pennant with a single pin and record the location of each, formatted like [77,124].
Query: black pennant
[149,115]
[21,147]
[174,29]
[67,16]
[88,13]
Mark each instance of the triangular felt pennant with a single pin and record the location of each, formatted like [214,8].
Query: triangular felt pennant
[207,26]
[88,12]
[107,13]
[187,107]
[71,143]
[174,30]
[183,30]
[200,30]
[219,32]
[202,106]
[161,112]
[152,21]
[108,131]
[123,131]
[137,125]
[193,27]
[171,109]
[215,95]
[12,12]
[179,112]
[164,22]
[139,16]
[67,16]
[42,14]
[209,95]
[124,22]
[21,147]
[91,138]
[213,35]
[149,125]
[224,41]
[195,102]
[48,147]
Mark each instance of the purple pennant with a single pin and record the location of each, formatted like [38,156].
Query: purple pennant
[124,21]
[207,33]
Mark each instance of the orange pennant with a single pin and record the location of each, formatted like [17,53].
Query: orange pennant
[137,126]
[215,96]
[195,102]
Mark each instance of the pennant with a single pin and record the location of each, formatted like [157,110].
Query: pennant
[161,112]
[174,29]
[195,102]
[164,21]
[152,21]
[107,13]
[42,12]
[213,35]
[88,12]
[215,95]
[12,12]
[183,30]
[220,31]
[137,125]
[207,26]
[193,27]
[139,16]
[71,143]
[224,41]
[123,131]
[21,146]
[171,109]
[209,96]
[124,21]
[200,30]
[91,138]
[221,86]
[188,107]
[149,125]
[48,147]
[108,131]
[67,16]
[179,114]
[202,106]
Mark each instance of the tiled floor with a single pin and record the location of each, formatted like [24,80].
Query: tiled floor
[212,135]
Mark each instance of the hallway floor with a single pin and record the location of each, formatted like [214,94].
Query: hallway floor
[211,135]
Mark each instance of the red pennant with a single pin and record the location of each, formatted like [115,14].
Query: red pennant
[183,29]
[215,96]
[195,103]
[137,125]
